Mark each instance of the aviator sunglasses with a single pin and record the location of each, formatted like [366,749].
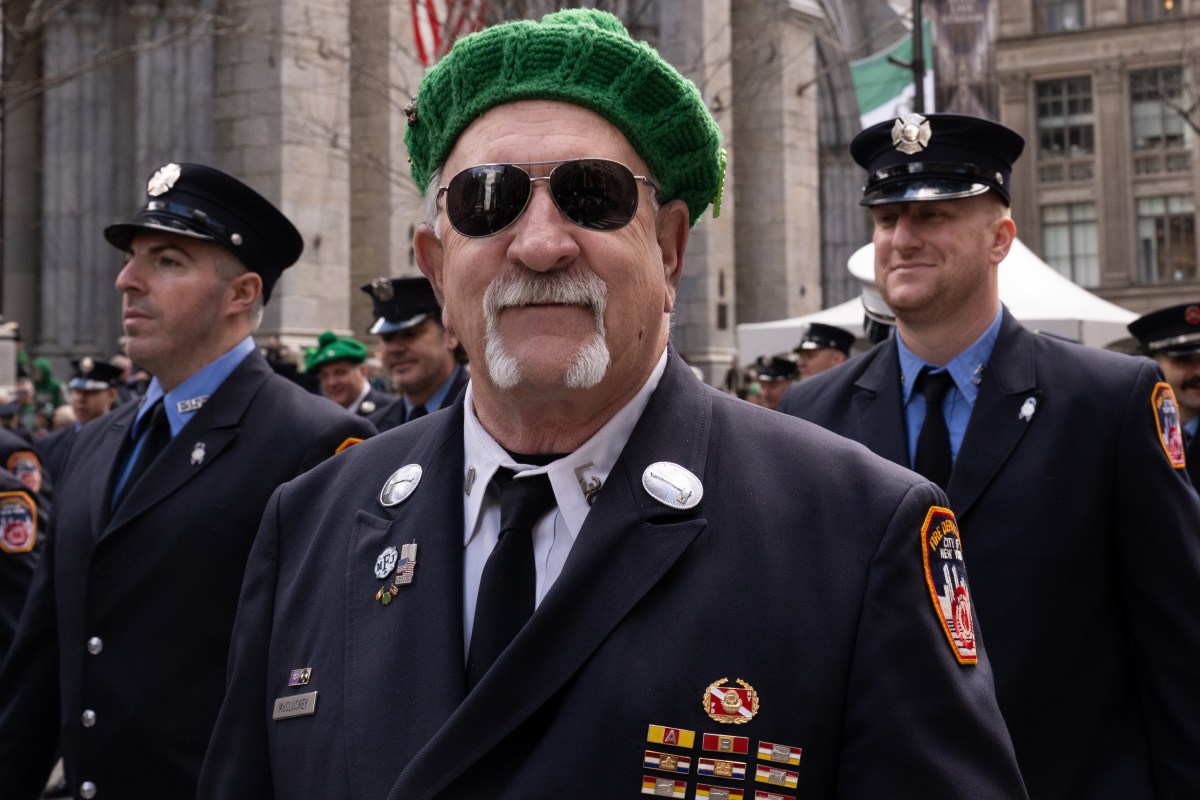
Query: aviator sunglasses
[594,193]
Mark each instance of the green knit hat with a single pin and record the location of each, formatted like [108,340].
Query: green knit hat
[579,56]
[331,347]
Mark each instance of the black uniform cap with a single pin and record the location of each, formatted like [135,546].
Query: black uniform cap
[205,203]
[777,368]
[401,303]
[1173,331]
[935,157]
[819,335]
[92,375]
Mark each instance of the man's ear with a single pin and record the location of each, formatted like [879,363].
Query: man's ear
[1003,234]
[672,230]
[245,290]
[430,256]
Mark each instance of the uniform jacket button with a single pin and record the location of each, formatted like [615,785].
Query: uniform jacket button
[95,645]
[87,790]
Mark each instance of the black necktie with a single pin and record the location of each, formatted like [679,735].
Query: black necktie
[156,433]
[508,584]
[419,411]
[933,444]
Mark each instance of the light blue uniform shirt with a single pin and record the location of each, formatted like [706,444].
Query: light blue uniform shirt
[966,369]
[184,400]
[436,399]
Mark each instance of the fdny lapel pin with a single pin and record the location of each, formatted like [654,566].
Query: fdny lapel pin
[405,568]
[191,404]
[300,676]
[469,481]
[386,562]
[588,484]
[400,485]
[672,485]
[1027,409]
[366,407]
[198,454]
[730,704]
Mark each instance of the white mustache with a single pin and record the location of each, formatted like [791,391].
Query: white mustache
[577,287]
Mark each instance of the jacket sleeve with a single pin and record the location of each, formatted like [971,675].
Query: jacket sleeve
[1157,537]
[29,695]
[912,709]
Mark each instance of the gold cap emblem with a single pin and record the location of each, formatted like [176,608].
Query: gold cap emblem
[382,289]
[86,365]
[911,134]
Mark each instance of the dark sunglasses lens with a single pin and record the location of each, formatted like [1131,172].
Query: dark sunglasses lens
[483,200]
[597,194]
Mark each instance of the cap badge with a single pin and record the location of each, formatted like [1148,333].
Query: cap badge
[400,485]
[162,181]
[726,703]
[1191,315]
[382,289]
[386,562]
[911,134]
[672,485]
[86,365]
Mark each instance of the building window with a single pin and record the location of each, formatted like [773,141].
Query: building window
[1071,242]
[1160,133]
[1166,228]
[1065,134]
[1150,10]
[1054,16]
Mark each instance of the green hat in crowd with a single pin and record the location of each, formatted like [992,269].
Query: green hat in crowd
[331,347]
[587,58]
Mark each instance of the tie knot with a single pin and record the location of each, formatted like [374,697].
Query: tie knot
[523,500]
[934,385]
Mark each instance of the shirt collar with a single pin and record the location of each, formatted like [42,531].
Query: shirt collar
[190,396]
[438,398]
[574,477]
[966,368]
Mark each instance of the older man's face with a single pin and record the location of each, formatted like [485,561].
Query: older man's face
[621,283]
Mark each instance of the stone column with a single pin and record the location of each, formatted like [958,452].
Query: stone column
[282,113]
[776,150]
[695,38]
[1112,164]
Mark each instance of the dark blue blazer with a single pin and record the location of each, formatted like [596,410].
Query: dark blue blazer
[392,415]
[157,584]
[801,576]
[1083,547]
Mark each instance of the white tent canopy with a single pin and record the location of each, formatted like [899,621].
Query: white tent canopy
[1033,291]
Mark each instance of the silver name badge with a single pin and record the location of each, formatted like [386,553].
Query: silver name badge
[298,705]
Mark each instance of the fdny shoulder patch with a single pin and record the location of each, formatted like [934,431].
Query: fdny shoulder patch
[347,444]
[26,466]
[18,522]
[1166,418]
[946,576]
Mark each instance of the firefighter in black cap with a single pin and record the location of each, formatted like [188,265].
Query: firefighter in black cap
[775,374]
[1057,459]
[822,347]
[1171,336]
[424,362]
[121,655]
[92,391]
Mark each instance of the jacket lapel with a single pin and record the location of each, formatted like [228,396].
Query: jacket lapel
[198,444]
[1000,417]
[627,544]
[419,634]
[877,416]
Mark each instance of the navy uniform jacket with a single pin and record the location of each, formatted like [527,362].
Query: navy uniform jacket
[373,402]
[55,448]
[1083,546]
[800,576]
[130,614]
[392,415]
[1193,461]
[22,536]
